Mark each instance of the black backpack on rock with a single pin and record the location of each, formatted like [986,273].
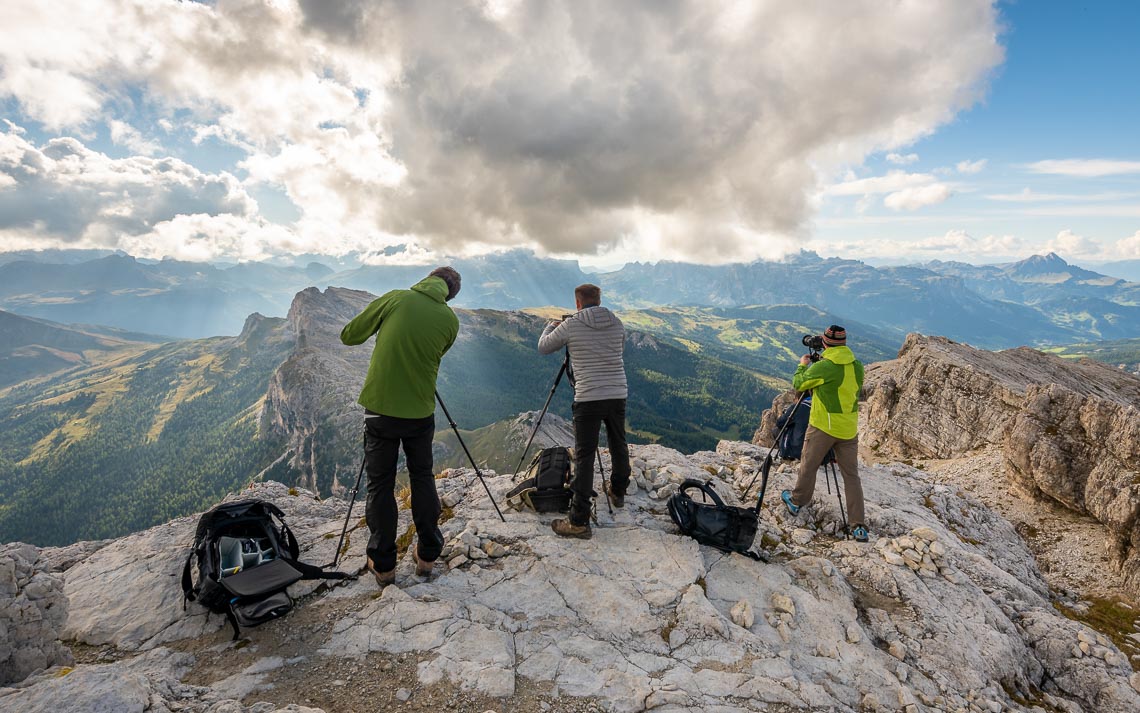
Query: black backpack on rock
[725,527]
[547,486]
[247,558]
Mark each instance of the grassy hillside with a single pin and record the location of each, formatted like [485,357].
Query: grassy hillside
[762,338]
[678,396]
[32,348]
[1124,353]
[101,451]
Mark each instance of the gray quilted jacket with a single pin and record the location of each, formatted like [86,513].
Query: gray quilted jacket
[596,339]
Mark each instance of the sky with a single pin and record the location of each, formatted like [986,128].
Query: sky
[697,130]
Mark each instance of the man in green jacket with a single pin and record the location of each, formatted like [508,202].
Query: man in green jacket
[835,382]
[414,329]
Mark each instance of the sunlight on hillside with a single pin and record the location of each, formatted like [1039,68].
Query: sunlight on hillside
[190,385]
[105,391]
[694,347]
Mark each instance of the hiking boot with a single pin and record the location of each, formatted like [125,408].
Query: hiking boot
[786,496]
[618,501]
[423,569]
[859,533]
[383,579]
[563,526]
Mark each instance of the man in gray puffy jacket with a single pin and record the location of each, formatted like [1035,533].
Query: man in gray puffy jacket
[596,340]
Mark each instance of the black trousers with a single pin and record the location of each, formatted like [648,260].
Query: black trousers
[588,417]
[383,436]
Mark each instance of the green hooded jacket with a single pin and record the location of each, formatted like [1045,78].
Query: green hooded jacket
[414,329]
[835,381]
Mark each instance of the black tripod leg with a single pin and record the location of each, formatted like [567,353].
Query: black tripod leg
[605,485]
[545,406]
[473,465]
[351,503]
[838,494]
[776,444]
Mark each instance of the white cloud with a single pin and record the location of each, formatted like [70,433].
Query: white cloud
[1126,248]
[201,237]
[901,159]
[66,193]
[891,182]
[574,126]
[1098,210]
[1085,168]
[962,245]
[1025,195]
[971,166]
[953,245]
[1069,244]
[123,134]
[906,191]
[915,198]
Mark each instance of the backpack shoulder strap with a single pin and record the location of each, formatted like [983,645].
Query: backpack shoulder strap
[312,571]
[524,485]
[705,488]
[232,619]
[290,542]
[188,593]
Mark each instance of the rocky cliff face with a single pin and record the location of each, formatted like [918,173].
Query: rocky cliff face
[1068,431]
[311,398]
[33,609]
[945,612]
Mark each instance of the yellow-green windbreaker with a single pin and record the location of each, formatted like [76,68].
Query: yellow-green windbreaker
[835,381]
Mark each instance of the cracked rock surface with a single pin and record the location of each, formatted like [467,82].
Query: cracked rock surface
[32,611]
[638,617]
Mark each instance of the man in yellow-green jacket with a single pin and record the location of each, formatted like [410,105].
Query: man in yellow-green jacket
[835,382]
[414,329]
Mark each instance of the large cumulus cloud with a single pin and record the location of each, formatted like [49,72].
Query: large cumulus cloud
[694,128]
[65,194]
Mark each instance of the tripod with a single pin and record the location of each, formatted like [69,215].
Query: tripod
[564,369]
[360,475]
[767,465]
[829,475]
[351,503]
[568,370]
[473,464]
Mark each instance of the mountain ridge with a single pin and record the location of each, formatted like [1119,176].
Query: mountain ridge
[984,305]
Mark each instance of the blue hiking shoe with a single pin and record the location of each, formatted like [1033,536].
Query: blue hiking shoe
[786,496]
[859,533]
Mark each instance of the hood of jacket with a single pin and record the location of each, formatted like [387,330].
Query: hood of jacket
[433,287]
[838,355]
[596,317]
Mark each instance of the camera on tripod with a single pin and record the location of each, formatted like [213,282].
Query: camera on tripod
[815,345]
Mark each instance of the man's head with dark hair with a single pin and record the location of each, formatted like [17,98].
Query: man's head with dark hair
[451,277]
[587,295]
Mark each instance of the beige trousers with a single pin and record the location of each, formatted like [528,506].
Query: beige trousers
[816,445]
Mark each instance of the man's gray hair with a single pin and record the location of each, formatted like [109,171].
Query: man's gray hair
[451,276]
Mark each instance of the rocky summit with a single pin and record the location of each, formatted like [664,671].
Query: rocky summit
[944,610]
[1068,432]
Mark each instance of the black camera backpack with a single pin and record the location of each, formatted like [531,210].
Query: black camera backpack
[791,435]
[247,558]
[725,527]
[546,489]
